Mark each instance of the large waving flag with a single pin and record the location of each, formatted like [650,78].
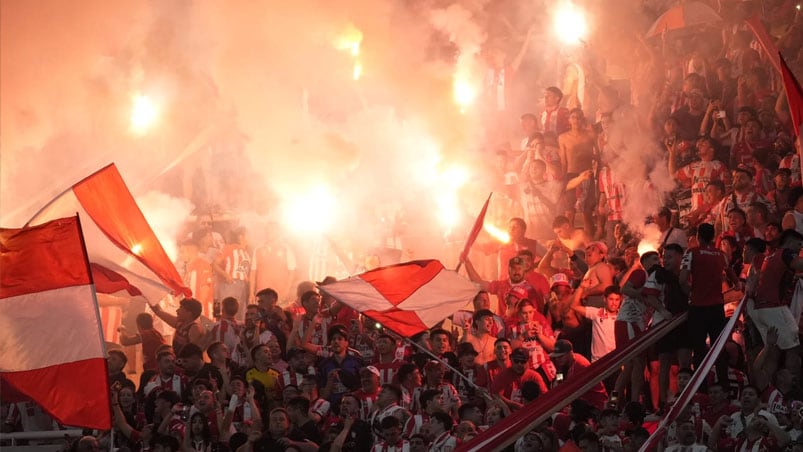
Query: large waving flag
[475,231]
[127,258]
[50,343]
[407,298]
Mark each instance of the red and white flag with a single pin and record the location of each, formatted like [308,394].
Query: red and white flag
[407,298]
[51,349]
[766,41]
[125,255]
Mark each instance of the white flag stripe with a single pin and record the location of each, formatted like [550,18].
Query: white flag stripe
[103,251]
[358,294]
[60,323]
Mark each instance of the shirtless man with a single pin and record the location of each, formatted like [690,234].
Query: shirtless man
[577,153]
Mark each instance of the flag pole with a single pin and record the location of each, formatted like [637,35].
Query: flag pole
[483,391]
[475,231]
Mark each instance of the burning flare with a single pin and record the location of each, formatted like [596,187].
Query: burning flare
[570,23]
[144,114]
[463,93]
[311,211]
[497,233]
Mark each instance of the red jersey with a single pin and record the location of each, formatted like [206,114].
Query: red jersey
[237,263]
[705,264]
[776,283]
[151,341]
[501,287]
[697,175]
[387,371]
[508,384]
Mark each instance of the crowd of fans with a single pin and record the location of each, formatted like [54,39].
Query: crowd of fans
[317,375]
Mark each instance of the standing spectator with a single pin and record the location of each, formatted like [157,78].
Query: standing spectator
[273,264]
[188,329]
[603,339]
[577,154]
[339,371]
[199,277]
[146,335]
[599,275]
[779,196]
[554,118]
[227,329]
[742,196]
[233,268]
[501,287]
[568,364]
[509,381]
[697,175]
[480,336]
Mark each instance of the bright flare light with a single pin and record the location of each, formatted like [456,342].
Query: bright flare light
[464,93]
[497,233]
[357,70]
[312,211]
[144,114]
[570,24]
[136,249]
[449,183]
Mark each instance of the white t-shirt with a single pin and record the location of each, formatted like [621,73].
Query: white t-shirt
[603,339]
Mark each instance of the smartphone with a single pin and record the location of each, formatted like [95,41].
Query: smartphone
[185,413]
[721,114]
[559,377]
[614,397]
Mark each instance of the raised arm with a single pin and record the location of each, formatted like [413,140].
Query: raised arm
[474,276]
[166,317]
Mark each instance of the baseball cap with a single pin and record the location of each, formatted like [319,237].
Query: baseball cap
[466,348]
[337,329]
[562,347]
[601,246]
[519,292]
[519,354]
[560,279]
[432,364]
[370,369]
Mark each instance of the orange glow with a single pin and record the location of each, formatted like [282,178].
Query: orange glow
[497,233]
[311,211]
[570,23]
[357,70]
[463,93]
[144,114]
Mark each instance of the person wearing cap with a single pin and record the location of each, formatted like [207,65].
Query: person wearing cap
[507,383]
[782,188]
[572,325]
[188,329]
[599,275]
[369,390]
[567,364]
[742,196]
[434,372]
[501,287]
[339,371]
[469,367]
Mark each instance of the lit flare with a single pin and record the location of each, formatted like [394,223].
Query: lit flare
[496,232]
[144,114]
[570,23]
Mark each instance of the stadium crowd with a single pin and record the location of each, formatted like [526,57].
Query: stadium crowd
[317,375]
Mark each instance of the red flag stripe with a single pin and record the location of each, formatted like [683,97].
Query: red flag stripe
[108,202]
[401,322]
[108,281]
[514,426]
[398,282]
[84,402]
[43,258]
[478,223]
[764,38]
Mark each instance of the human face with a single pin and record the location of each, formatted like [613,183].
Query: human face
[781,181]
[518,364]
[339,344]
[278,424]
[384,345]
[717,394]
[551,99]
[197,425]
[417,444]
[749,399]
[705,150]
[735,221]
[115,363]
[440,344]
[527,313]
[126,397]
[672,260]
[612,302]
[238,387]
[493,415]
[593,255]
[485,324]
[183,314]
[263,355]
[771,232]
[670,127]
[651,261]
[205,401]
[575,120]
[712,194]
[741,181]
[313,303]
[515,229]
[386,397]
[516,273]
[482,301]
[752,129]
[502,351]
[529,125]
[251,317]
[167,364]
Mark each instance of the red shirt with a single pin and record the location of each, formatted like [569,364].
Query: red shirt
[705,264]
[501,287]
[387,371]
[508,384]
[776,283]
